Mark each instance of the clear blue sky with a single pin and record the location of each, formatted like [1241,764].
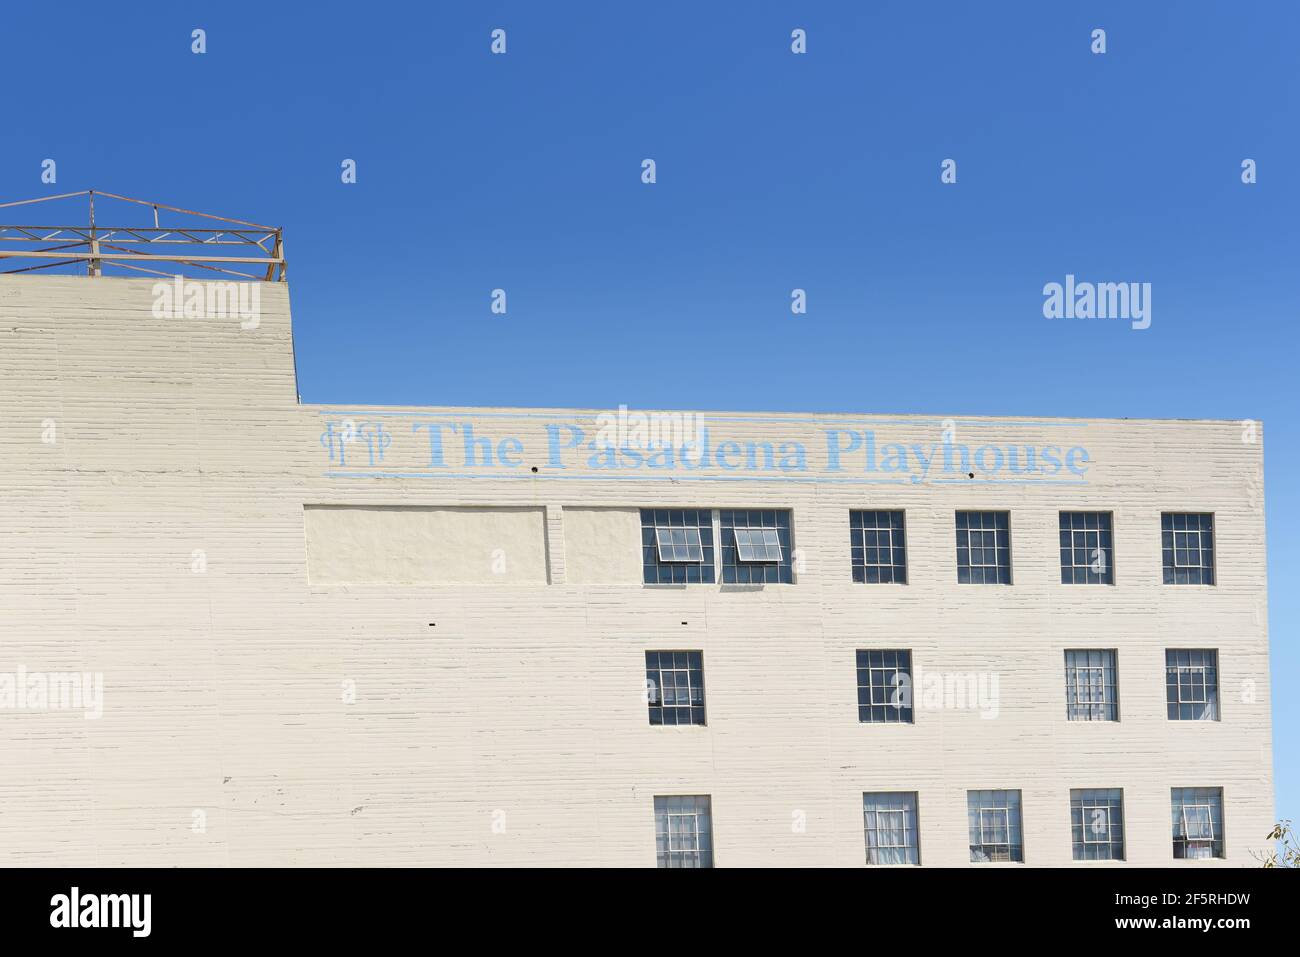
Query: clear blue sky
[775,171]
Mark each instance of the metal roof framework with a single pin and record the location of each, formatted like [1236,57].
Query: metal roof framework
[143,248]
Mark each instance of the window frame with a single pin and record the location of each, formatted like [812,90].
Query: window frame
[877,803]
[1210,570]
[1212,700]
[1077,709]
[664,859]
[661,707]
[768,539]
[898,573]
[1001,822]
[1208,823]
[905,712]
[657,572]
[1199,797]
[721,562]
[893,830]
[687,530]
[1086,802]
[1012,800]
[970,568]
[1108,552]
[732,570]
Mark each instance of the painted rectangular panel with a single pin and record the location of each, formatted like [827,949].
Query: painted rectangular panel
[602,546]
[387,545]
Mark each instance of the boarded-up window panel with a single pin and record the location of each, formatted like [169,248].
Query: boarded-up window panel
[400,545]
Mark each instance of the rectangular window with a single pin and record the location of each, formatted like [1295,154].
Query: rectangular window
[1197,822]
[878,547]
[1091,688]
[755,547]
[995,829]
[1087,551]
[684,831]
[889,819]
[677,546]
[1097,824]
[984,548]
[885,686]
[1187,547]
[674,682]
[1192,684]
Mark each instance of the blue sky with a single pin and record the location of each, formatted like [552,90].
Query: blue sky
[775,171]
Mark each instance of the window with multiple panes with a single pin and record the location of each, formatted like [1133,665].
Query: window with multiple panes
[683,831]
[1097,824]
[1091,689]
[1087,551]
[674,682]
[984,548]
[1192,684]
[885,686]
[755,546]
[677,546]
[1187,547]
[1197,822]
[889,820]
[995,829]
[878,547]
[683,545]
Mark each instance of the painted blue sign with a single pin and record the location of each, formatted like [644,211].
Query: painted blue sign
[487,445]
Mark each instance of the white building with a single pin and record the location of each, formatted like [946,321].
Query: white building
[358,635]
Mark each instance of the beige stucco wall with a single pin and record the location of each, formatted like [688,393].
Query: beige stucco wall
[158,536]
[425,546]
[602,545]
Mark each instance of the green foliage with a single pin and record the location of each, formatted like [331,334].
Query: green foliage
[1286,850]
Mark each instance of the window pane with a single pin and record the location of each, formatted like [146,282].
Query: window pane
[756,547]
[995,826]
[885,686]
[878,547]
[1197,822]
[1192,684]
[983,548]
[1089,557]
[1187,548]
[1091,692]
[675,687]
[677,546]
[891,829]
[683,831]
[1097,824]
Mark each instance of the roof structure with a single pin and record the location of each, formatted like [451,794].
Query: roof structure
[192,243]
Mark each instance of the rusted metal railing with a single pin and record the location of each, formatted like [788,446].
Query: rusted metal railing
[94,247]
